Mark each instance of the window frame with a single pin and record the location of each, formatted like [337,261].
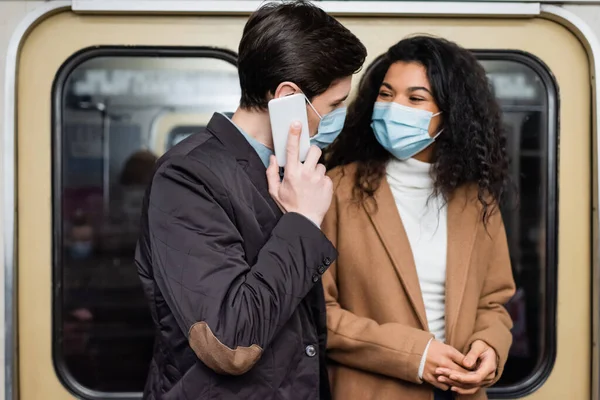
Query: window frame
[58,97]
[523,388]
[547,358]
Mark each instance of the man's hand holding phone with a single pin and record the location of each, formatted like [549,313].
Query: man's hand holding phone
[305,189]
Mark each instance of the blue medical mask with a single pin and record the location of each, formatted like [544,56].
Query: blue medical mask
[81,249]
[401,130]
[330,126]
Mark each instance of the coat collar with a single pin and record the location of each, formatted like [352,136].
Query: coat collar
[384,215]
[463,223]
[462,229]
[236,144]
[229,135]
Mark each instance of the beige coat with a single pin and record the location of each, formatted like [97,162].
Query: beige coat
[377,326]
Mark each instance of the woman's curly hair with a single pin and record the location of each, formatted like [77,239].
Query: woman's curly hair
[472,147]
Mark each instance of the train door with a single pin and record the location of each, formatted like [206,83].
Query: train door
[101,96]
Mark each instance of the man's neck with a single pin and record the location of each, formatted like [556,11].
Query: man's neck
[255,124]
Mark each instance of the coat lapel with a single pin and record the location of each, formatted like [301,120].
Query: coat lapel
[389,227]
[463,220]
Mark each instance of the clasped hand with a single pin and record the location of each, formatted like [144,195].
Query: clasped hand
[447,368]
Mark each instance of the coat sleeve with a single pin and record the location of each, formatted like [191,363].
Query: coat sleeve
[493,323]
[390,349]
[229,309]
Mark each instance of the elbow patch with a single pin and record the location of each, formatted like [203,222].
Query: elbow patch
[219,357]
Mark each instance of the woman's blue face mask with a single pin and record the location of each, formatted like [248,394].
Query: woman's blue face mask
[402,131]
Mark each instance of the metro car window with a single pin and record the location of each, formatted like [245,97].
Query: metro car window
[108,105]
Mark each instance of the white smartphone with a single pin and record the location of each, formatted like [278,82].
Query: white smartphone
[282,112]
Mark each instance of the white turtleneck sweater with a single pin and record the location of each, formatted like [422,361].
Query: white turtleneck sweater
[425,221]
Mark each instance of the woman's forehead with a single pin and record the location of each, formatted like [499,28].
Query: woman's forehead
[404,74]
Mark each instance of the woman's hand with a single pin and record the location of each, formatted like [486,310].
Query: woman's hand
[440,355]
[483,361]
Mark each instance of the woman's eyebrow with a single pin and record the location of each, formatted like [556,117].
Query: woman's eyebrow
[415,88]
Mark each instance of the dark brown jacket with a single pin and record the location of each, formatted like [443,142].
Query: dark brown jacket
[234,286]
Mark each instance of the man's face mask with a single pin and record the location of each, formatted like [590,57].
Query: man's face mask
[330,126]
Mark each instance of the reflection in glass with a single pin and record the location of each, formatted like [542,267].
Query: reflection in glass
[524,100]
[117,116]
[179,133]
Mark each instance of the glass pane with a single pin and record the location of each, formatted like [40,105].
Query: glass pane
[179,133]
[524,100]
[112,132]
[119,114]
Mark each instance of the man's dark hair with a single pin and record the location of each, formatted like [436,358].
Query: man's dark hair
[298,42]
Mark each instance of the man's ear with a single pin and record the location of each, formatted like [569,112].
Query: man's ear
[285,89]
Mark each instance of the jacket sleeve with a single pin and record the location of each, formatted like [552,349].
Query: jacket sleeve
[390,349]
[229,309]
[493,323]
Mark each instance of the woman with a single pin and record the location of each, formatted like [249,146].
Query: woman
[415,300]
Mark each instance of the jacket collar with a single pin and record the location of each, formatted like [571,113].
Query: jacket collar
[229,135]
[236,144]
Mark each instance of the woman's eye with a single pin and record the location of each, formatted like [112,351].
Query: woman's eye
[416,99]
[384,94]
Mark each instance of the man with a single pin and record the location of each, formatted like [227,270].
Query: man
[230,261]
